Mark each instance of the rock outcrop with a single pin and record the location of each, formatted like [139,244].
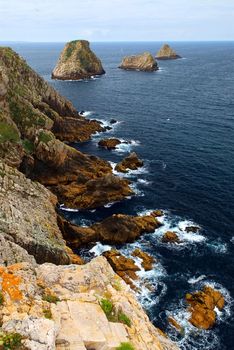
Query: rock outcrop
[55,307]
[147,260]
[167,53]
[34,120]
[170,237]
[143,62]
[109,143]
[77,61]
[131,162]
[202,305]
[116,229]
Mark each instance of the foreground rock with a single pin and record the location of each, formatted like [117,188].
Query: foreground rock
[143,62]
[109,143]
[63,309]
[147,260]
[77,61]
[166,53]
[116,229]
[202,307]
[34,120]
[131,162]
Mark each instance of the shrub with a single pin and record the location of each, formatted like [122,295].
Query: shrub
[50,298]
[107,307]
[44,137]
[125,346]
[8,133]
[47,313]
[10,340]
[124,319]
[28,146]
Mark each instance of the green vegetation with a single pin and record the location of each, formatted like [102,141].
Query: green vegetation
[47,313]
[50,298]
[28,146]
[124,319]
[10,340]
[44,137]
[112,315]
[1,298]
[70,49]
[125,346]
[117,285]
[8,133]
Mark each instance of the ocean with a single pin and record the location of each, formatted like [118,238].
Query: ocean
[180,120]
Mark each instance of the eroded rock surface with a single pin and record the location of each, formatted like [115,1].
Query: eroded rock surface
[57,307]
[131,162]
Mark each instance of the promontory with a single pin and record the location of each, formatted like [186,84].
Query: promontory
[77,61]
[143,62]
[167,53]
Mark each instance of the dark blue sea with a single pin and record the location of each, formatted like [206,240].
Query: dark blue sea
[181,123]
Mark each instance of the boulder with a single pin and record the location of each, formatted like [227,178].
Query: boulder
[109,143]
[147,260]
[131,162]
[202,306]
[170,237]
[143,62]
[77,61]
[192,229]
[167,53]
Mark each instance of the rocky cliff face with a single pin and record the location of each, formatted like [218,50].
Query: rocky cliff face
[77,61]
[167,53]
[143,62]
[74,307]
[34,120]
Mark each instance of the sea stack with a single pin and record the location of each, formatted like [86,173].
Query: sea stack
[167,53]
[143,62]
[77,61]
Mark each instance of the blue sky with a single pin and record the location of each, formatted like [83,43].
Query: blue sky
[116,20]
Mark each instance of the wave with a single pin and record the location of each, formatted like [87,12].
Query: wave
[62,207]
[126,146]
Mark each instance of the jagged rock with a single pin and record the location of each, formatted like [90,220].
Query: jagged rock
[147,260]
[170,237]
[202,307]
[77,61]
[28,219]
[192,229]
[109,143]
[116,229]
[166,53]
[59,307]
[157,213]
[143,62]
[131,162]
[175,324]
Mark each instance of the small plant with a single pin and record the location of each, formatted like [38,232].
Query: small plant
[117,285]
[107,307]
[8,133]
[47,313]
[125,346]
[124,319]
[28,146]
[44,137]
[1,298]
[10,341]
[50,298]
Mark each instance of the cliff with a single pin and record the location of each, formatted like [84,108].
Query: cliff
[166,53]
[143,62]
[77,61]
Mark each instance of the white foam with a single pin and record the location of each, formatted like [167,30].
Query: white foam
[62,207]
[194,280]
[87,114]
[99,249]
[126,146]
[144,182]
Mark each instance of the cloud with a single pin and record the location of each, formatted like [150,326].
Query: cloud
[61,20]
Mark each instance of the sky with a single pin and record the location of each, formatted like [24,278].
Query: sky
[116,20]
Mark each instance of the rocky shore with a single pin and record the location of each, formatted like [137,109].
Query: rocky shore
[48,301]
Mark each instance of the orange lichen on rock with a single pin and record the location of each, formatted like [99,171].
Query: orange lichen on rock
[10,283]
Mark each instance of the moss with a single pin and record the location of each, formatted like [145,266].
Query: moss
[107,307]
[1,298]
[125,346]
[10,340]
[8,133]
[50,298]
[44,137]
[47,313]
[28,146]
[112,315]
